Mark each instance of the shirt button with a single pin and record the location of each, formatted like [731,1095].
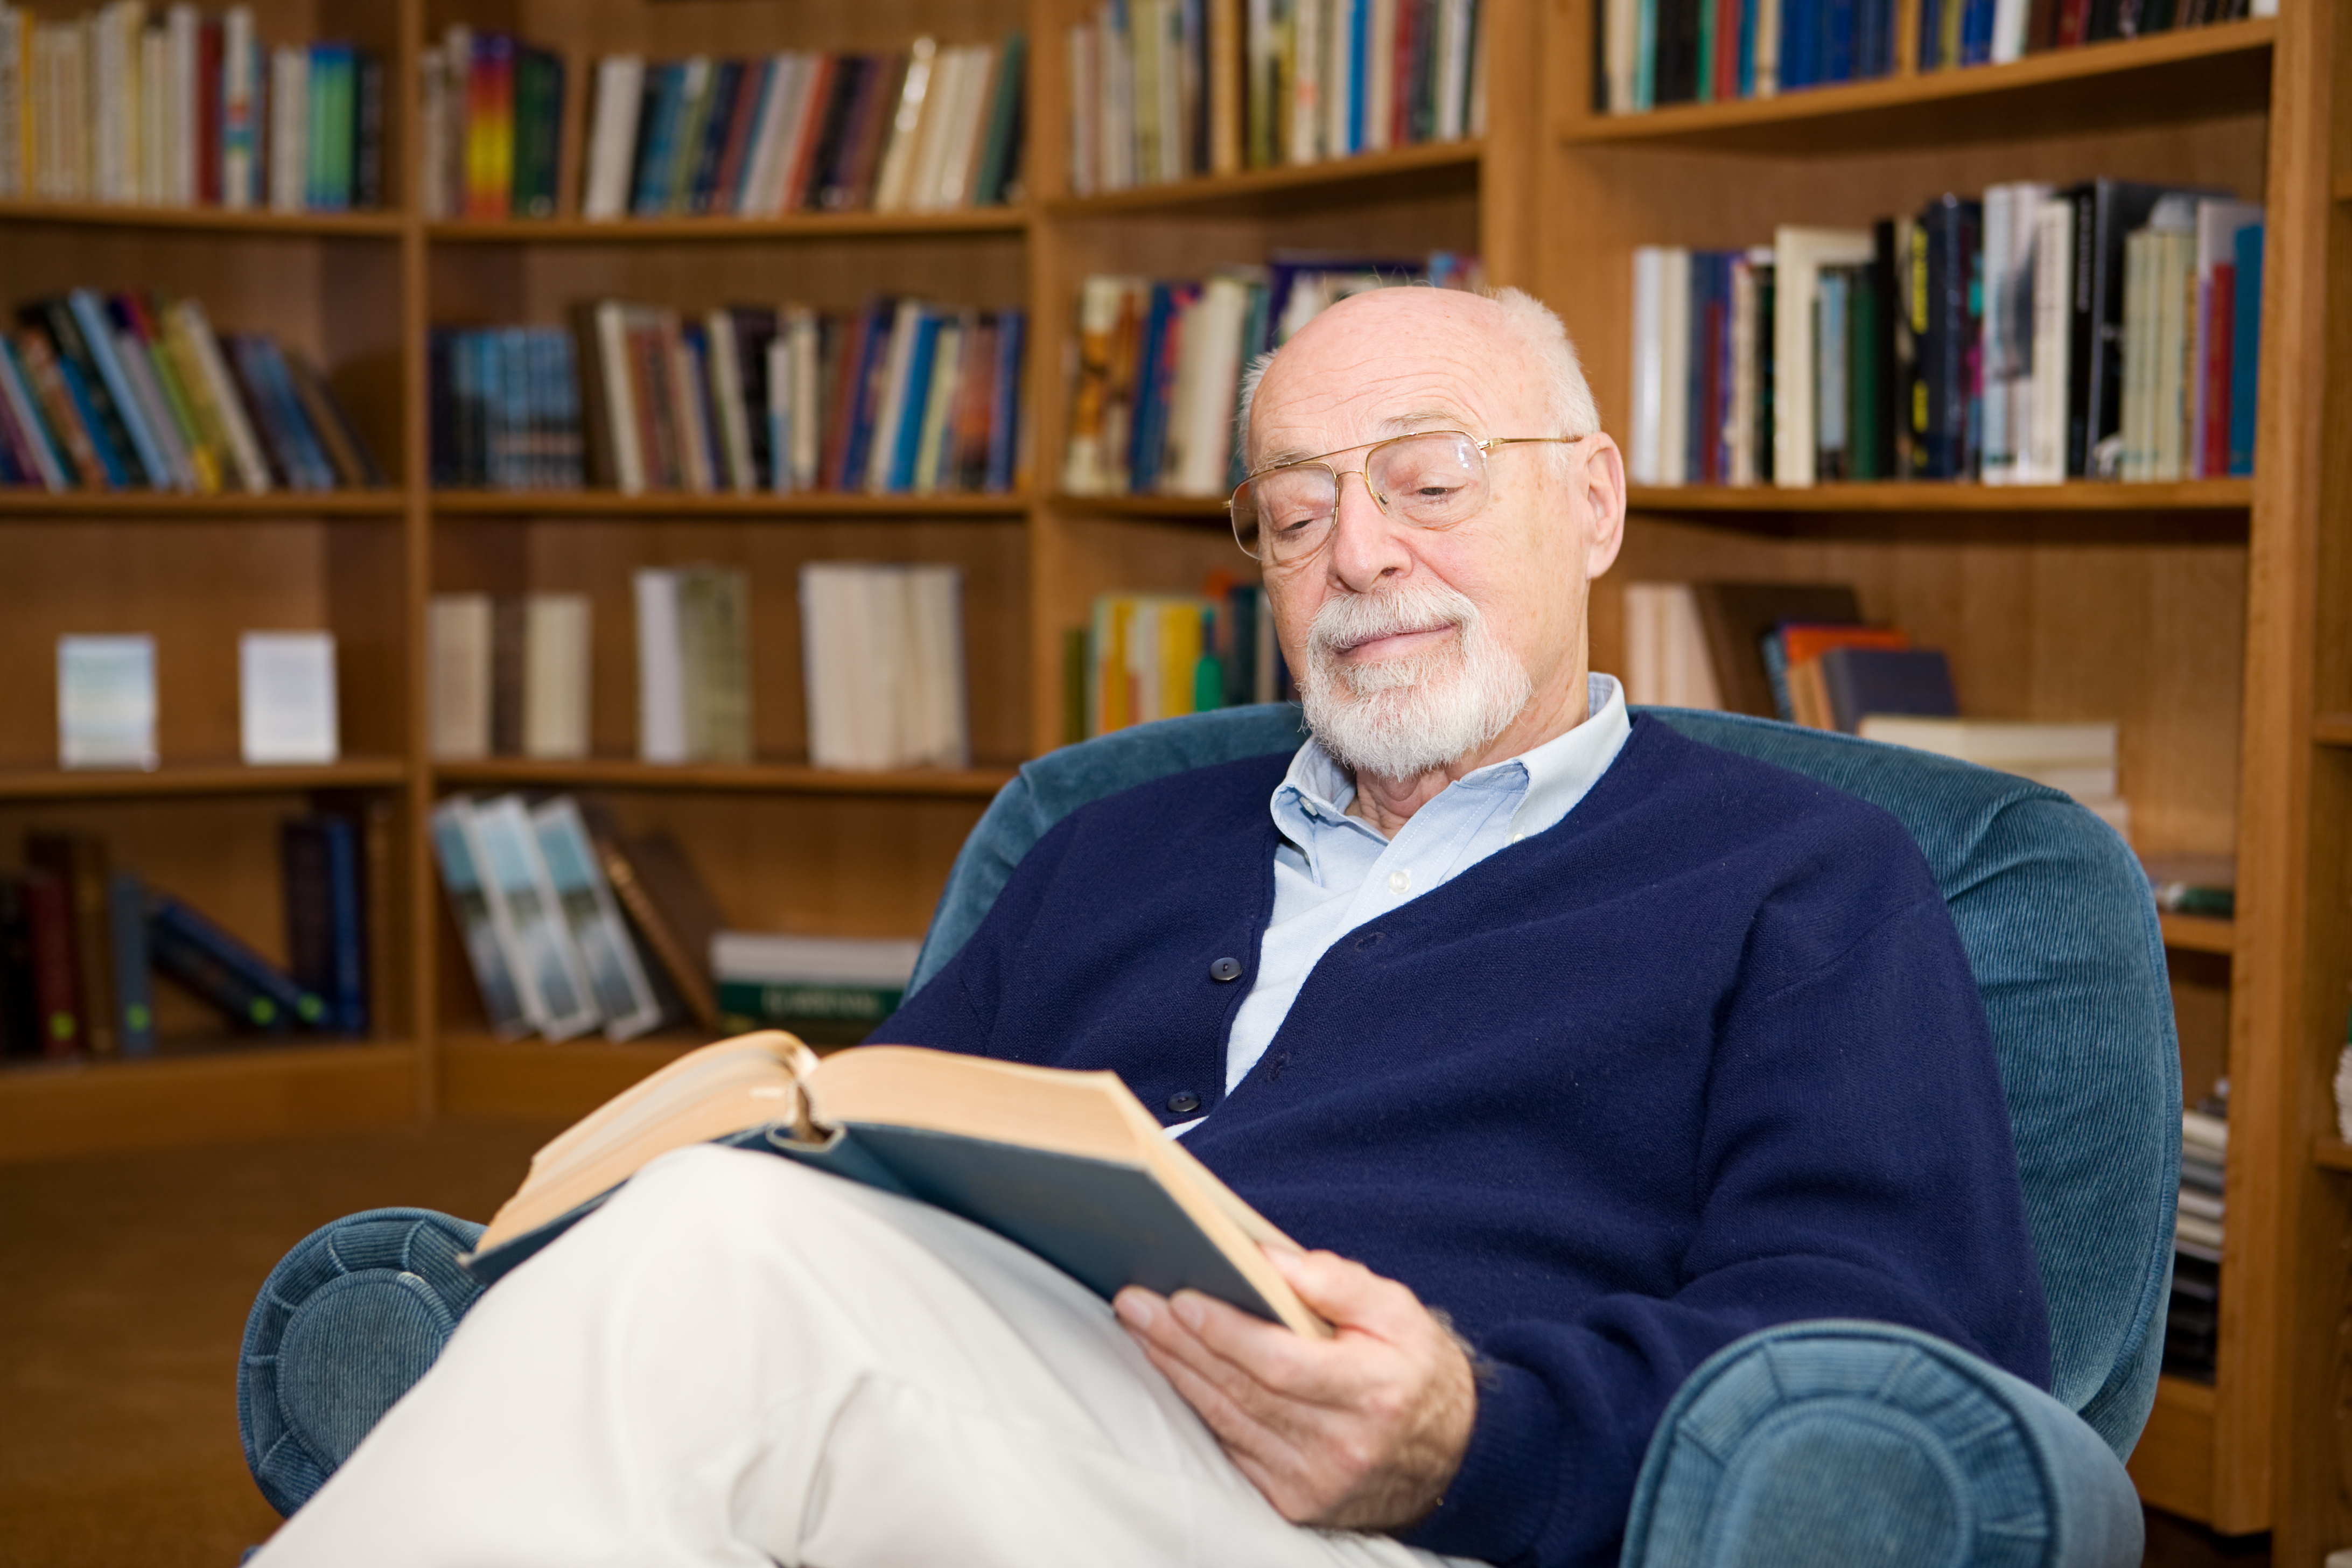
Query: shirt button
[1400,880]
[1183,1102]
[1225,968]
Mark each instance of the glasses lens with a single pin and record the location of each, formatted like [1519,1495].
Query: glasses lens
[1431,481]
[1282,515]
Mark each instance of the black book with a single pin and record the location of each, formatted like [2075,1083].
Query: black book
[326,932]
[1676,79]
[849,74]
[755,329]
[20,1009]
[726,83]
[538,131]
[1951,226]
[2105,211]
[1887,326]
[367,131]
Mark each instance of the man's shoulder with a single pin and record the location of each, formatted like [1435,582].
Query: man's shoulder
[1221,793]
[1732,793]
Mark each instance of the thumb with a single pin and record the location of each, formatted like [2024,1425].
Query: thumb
[1343,1292]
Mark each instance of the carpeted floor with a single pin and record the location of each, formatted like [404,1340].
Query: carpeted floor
[124,1284]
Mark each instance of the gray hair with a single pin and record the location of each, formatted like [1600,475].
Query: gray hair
[1567,398]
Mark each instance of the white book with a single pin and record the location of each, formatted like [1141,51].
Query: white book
[2009,280]
[482,923]
[661,667]
[1208,381]
[726,384]
[2009,744]
[1380,81]
[939,406]
[458,675]
[186,29]
[1085,92]
[555,674]
[2009,17]
[611,325]
[615,976]
[828,655]
[934,730]
[765,958]
[1741,411]
[777,108]
[782,414]
[927,154]
[1673,360]
[2177,264]
[1454,45]
[1167,88]
[1797,256]
[1617,51]
[1666,660]
[112,119]
[154,125]
[289,127]
[1643,456]
[808,421]
[2045,459]
[970,126]
[891,410]
[892,185]
[1339,76]
[1307,54]
[106,702]
[240,127]
[547,967]
[2138,400]
[15,171]
[612,136]
[804,113]
[286,698]
[1767,49]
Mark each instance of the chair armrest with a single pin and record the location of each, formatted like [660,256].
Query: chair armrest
[1863,1444]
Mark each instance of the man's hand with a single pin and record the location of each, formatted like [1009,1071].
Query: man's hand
[1362,1431]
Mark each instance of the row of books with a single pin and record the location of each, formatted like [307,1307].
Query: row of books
[2110,329]
[1164,90]
[491,119]
[135,392]
[81,941]
[2192,1320]
[1654,53]
[932,128]
[883,660]
[107,703]
[1144,657]
[1157,382]
[185,110]
[509,674]
[905,397]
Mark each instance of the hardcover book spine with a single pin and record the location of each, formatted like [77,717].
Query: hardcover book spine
[57,983]
[178,930]
[126,919]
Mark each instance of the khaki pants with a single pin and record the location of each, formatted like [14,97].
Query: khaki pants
[737,1360]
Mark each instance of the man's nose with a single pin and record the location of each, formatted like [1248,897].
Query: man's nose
[1364,547]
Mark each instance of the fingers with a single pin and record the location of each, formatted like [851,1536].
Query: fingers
[1347,1295]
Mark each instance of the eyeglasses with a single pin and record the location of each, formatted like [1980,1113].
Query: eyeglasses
[1433,480]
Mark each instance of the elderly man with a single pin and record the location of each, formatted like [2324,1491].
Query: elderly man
[1585,1049]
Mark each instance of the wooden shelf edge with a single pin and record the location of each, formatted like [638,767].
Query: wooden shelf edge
[216,220]
[18,503]
[221,778]
[2332,730]
[658,230]
[2331,1153]
[2054,68]
[72,1109]
[2172,1466]
[480,1075]
[1329,173]
[780,778]
[2198,933]
[1874,496]
[815,504]
[1204,509]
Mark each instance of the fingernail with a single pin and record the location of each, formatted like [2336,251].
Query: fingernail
[1189,1312]
[1134,1309]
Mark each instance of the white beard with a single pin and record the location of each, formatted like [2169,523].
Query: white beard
[1400,717]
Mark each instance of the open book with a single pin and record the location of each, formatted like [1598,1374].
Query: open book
[1068,1164]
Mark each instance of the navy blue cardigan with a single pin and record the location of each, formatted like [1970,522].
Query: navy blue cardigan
[1702,1058]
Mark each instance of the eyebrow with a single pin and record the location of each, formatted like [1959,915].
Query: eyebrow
[1396,425]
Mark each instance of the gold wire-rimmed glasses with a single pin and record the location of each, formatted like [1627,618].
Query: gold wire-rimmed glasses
[1431,478]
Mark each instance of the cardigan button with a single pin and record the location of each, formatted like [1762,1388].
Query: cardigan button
[1225,968]
[1183,1102]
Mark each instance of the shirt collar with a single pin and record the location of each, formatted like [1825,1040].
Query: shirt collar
[1555,774]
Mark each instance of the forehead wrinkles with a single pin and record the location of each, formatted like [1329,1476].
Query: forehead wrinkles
[1326,403]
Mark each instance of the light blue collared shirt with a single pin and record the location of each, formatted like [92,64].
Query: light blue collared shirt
[1333,872]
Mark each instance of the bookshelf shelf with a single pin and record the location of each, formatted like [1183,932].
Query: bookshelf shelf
[2199,73]
[2332,729]
[199,778]
[665,231]
[781,778]
[2199,933]
[2186,495]
[1367,176]
[214,220]
[2331,1153]
[1204,509]
[243,1088]
[155,506]
[701,508]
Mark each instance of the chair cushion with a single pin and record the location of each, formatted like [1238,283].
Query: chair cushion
[2060,935]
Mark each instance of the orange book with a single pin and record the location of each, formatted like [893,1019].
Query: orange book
[1801,646]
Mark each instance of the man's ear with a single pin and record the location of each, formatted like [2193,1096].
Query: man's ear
[1601,494]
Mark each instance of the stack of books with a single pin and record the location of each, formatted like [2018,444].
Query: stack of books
[2107,331]
[81,941]
[134,392]
[1161,89]
[2076,756]
[2192,1326]
[933,128]
[830,991]
[1659,52]
[903,397]
[1155,655]
[1158,379]
[882,655]
[185,110]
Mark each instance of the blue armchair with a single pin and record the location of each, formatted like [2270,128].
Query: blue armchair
[1854,1443]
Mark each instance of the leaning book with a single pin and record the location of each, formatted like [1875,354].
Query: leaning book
[1067,1164]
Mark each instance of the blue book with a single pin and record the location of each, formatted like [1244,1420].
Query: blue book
[916,402]
[1359,70]
[1865,681]
[1838,25]
[2245,347]
[1145,441]
[1747,19]
[97,337]
[36,432]
[657,116]
[126,927]
[516,409]
[335,98]
[1003,432]
[112,458]
[225,971]
[264,370]
[1931,33]
[757,83]
[1976,33]
[865,395]
[1645,53]
[325,934]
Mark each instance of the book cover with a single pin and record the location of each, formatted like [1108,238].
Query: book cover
[2246,343]
[218,967]
[325,932]
[56,975]
[79,861]
[1863,681]
[477,920]
[662,108]
[670,910]
[592,916]
[106,702]
[538,131]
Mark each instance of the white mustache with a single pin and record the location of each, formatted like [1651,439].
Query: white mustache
[1342,625]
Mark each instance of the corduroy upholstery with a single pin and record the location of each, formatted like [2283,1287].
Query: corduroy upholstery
[1869,1443]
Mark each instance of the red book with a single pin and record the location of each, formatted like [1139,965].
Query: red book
[208,113]
[1711,396]
[56,980]
[2073,21]
[1401,76]
[1727,50]
[813,105]
[2220,315]
[842,409]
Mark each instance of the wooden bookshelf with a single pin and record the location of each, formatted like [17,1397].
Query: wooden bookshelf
[792,225]
[1369,176]
[200,779]
[818,504]
[2199,933]
[208,220]
[17,505]
[2332,729]
[2224,496]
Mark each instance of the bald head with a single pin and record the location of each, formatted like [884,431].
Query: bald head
[1507,344]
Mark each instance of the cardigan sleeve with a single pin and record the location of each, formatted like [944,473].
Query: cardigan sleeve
[1854,1162]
